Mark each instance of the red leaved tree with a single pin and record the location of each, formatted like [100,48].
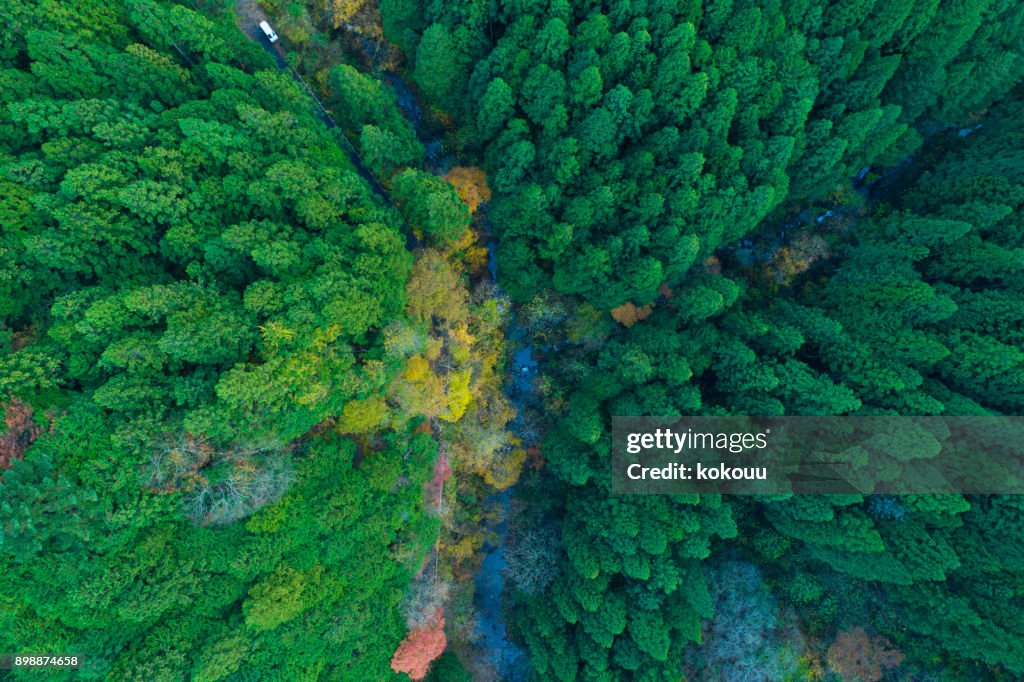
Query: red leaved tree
[433,489]
[421,647]
[19,431]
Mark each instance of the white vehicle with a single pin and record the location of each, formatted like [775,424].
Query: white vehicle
[271,36]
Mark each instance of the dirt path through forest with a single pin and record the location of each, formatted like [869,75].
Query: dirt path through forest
[499,651]
[248,15]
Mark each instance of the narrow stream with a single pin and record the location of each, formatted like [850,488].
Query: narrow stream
[508,661]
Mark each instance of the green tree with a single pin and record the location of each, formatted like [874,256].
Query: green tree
[431,205]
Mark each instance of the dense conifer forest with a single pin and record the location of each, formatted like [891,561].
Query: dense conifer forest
[309,349]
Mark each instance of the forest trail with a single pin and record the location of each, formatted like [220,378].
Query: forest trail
[248,15]
[498,650]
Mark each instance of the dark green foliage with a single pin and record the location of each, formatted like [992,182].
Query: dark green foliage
[914,311]
[626,140]
[448,669]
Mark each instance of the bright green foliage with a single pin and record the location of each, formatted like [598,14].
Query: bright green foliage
[193,278]
[367,107]
[442,64]
[276,599]
[332,555]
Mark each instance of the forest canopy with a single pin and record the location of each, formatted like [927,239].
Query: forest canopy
[783,208]
[195,277]
[309,349]
[628,141]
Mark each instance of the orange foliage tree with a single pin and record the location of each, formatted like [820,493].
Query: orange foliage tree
[470,184]
[421,647]
[629,314]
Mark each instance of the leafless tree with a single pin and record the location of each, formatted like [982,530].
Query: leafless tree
[220,484]
[249,484]
[424,598]
[532,557]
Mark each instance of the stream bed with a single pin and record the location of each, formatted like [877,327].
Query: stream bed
[498,650]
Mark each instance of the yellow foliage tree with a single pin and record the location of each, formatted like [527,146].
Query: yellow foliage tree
[362,416]
[424,397]
[459,396]
[433,349]
[469,250]
[435,289]
[417,368]
[275,335]
[460,334]
[464,548]
[505,468]
[342,12]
